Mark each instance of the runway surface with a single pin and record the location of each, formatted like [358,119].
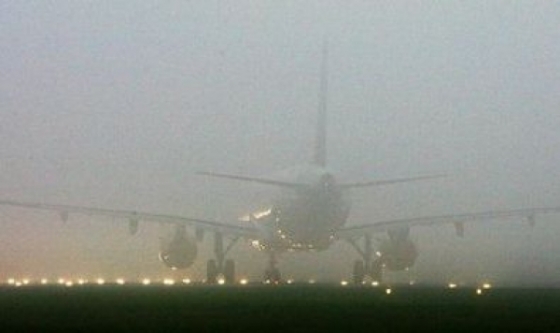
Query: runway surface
[284,308]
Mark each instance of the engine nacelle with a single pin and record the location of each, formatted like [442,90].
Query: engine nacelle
[398,255]
[179,252]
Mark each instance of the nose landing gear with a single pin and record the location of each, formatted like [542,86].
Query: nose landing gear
[272,273]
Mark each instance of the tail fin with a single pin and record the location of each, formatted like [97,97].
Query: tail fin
[320,153]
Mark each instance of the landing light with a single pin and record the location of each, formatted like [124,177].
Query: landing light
[261,214]
[146,282]
[120,281]
[343,283]
[289,281]
[25,281]
[69,284]
[81,282]
[100,281]
[11,281]
[452,285]
[187,281]
[388,291]
[375,283]
[479,291]
[221,281]
[311,281]
[168,282]
[44,281]
[243,282]
[486,286]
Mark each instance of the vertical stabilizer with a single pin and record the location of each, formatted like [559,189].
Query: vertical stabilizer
[320,153]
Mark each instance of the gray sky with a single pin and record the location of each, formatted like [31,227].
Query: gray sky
[117,104]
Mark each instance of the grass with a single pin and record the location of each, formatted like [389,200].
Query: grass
[276,308]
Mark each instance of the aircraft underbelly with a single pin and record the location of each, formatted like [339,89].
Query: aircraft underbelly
[308,226]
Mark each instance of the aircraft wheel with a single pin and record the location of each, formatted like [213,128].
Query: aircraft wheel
[359,272]
[211,272]
[229,271]
[272,275]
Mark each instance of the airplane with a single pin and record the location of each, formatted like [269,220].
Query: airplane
[309,213]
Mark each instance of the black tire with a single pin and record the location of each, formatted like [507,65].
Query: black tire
[211,272]
[229,271]
[272,275]
[358,273]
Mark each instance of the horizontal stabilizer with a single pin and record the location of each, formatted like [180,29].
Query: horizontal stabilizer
[252,179]
[387,181]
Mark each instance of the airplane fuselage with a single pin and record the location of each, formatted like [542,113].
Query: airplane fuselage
[305,218]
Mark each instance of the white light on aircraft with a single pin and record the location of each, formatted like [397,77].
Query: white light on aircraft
[11,281]
[479,291]
[311,281]
[375,283]
[120,281]
[290,281]
[264,213]
[146,282]
[452,285]
[221,281]
[187,281]
[343,283]
[18,284]
[100,281]
[69,284]
[256,244]
[388,291]
[243,282]
[61,281]
[25,281]
[168,282]
[81,282]
[44,281]
[486,286]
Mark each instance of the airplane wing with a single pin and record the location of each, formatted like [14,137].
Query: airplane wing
[457,219]
[134,217]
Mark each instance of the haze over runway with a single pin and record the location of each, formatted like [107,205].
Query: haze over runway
[117,105]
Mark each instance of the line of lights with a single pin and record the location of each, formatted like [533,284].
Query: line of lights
[480,289]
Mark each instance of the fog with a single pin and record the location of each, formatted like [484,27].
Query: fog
[118,104]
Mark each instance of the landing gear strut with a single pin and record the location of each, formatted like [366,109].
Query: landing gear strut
[221,266]
[367,266]
[272,273]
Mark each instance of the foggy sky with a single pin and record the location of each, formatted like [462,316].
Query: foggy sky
[118,104]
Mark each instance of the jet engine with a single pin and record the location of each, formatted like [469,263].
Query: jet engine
[178,251]
[398,255]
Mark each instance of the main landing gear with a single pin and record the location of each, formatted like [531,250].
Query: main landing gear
[220,267]
[367,266]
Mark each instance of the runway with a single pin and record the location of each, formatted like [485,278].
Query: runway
[274,308]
